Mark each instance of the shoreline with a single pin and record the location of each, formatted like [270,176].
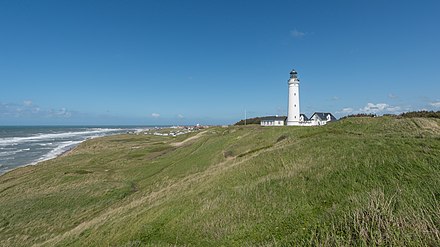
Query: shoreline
[72,147]
[62,154]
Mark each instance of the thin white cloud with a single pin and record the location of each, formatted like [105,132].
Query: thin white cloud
[393,108]
[335,98]
[435,104]
[346,110]
[36,109]
[63,112]
[29,110]
[297,34]
[392,96]
[155,115]
[379,108]
[374,108]
[180,116]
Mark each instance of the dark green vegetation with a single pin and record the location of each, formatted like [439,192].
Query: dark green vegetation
[362,115]
[359,181]
[413,114]
[425,114]
[255,120]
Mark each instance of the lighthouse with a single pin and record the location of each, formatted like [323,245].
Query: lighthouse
[294,116]
[293,113]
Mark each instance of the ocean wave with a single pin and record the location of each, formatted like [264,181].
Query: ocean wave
[8,158]
[41,137]
[61,148]
[7,153]
[45,144]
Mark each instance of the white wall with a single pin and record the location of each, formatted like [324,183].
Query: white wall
[293,111]
[272,123]
[316,121]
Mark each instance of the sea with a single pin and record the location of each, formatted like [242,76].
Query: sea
[21,146]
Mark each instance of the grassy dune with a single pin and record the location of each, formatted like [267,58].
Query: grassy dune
[359,181]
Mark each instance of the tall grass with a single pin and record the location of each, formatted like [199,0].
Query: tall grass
[380,222]
[359,181]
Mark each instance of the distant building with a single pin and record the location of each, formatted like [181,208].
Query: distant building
[322,118]
[318,118]
[303,118]
[294,117]
[273,121]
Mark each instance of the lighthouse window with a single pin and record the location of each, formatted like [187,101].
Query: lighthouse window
[295,105]
[294,94]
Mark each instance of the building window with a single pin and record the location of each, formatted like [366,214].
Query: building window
[294,94]
[295,105]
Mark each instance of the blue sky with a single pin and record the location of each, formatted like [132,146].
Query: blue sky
[186,62]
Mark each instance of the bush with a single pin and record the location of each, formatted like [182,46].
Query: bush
[426,114]
[413,114]
[256,120]
[359,115]
[228,154]
[282,137]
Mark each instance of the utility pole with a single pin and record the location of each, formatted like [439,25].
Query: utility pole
[245,116]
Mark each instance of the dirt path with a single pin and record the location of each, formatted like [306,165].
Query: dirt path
[178,144]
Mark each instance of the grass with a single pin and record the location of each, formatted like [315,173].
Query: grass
[359,181]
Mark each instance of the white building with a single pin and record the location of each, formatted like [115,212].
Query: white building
[273,121]
[322,118]
[303,118]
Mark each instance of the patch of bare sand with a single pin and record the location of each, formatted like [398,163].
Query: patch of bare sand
[178,144]
[428,124]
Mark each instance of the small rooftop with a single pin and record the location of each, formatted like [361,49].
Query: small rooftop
[323,115]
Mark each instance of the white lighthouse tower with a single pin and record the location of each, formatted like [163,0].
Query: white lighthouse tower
[293,112]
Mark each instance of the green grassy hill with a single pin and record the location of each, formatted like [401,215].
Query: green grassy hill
[359,181]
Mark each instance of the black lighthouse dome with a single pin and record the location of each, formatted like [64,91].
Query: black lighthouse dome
[293,74]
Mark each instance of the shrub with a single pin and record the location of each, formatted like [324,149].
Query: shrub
[426,114]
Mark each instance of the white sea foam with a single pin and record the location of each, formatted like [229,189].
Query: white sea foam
[30,150]
[61,148]
[45,144]
[7,153]
[41,137]
[8,158]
